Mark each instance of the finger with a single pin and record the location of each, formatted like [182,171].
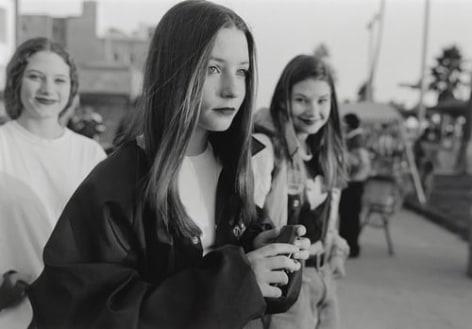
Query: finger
[337,274]
[279,278]
[270,234]
[301,230]
[271,291]
[340,271]
[303,243]
[266,237]
[316,248]
[301,255]
[274,249]
[282,262]
[19,277]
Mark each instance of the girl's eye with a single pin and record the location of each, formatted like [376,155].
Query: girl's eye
[60,81]
[300,100]
[34,77]
[213,69]
[243,72]
[323,100]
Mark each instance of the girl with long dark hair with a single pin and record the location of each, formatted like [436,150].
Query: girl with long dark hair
[165,233]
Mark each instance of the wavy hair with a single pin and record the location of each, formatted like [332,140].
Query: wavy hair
[16,68]
[169,108]
[327,144]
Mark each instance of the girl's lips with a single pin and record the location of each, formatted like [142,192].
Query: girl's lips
[45,101]
[309,121]
[225,110]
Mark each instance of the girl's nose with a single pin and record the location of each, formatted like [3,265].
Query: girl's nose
[46,86]
[313,109]
[229,88]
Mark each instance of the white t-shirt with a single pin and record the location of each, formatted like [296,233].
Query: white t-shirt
[198,180]
[37,178]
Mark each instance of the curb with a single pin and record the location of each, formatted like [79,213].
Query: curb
[438,217]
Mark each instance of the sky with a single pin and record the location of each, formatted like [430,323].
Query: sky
[286,28]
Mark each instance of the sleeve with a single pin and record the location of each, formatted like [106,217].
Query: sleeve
[94,277]
[99,153]
[262,166]
[359,163]
[334,243]
[262,223]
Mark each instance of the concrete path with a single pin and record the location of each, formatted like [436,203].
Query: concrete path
[424,286]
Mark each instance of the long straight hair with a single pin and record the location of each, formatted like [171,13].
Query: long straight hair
[327,144]
[169,109]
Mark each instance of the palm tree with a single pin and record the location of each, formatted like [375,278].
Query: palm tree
[446,74]
[322,52]
[446,78]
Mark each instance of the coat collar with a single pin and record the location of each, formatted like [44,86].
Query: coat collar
[264,124]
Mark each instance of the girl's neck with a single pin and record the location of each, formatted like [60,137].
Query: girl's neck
[302,138]
[304,150]
[198,142]
[48,128]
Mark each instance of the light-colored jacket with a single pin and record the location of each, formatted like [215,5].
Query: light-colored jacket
[271,183]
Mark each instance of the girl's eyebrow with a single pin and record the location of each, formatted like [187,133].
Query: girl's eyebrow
[221,60]
[33,71]
[40,72]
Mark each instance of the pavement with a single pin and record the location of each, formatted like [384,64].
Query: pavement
[423,286]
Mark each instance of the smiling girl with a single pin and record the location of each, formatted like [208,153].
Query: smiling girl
[41,164]
[298,176]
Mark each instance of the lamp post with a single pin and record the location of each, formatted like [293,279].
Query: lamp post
[469,172]
[373,52]
[421,106]
[368,83]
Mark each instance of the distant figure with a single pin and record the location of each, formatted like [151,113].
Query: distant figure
[87,122]
[41,165]
[426,149]
[386,144]
[388,149]
[359,168]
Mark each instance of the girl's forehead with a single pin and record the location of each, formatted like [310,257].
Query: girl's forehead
[47,61]
[231,45]
[312,86]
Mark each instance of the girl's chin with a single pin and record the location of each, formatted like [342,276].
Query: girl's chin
[310,130]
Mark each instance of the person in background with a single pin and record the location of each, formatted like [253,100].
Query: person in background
[298,180]
[41,165]
[359,167]
[164,233]
[87,122]
[426,149]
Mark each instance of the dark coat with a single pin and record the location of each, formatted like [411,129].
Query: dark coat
[110,263]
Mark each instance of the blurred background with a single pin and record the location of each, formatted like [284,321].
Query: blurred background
[404,66]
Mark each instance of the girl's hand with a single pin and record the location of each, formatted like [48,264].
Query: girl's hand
[302,243]
[269,264]
[12,289]
[337,265]
[267,237]
[339,254]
